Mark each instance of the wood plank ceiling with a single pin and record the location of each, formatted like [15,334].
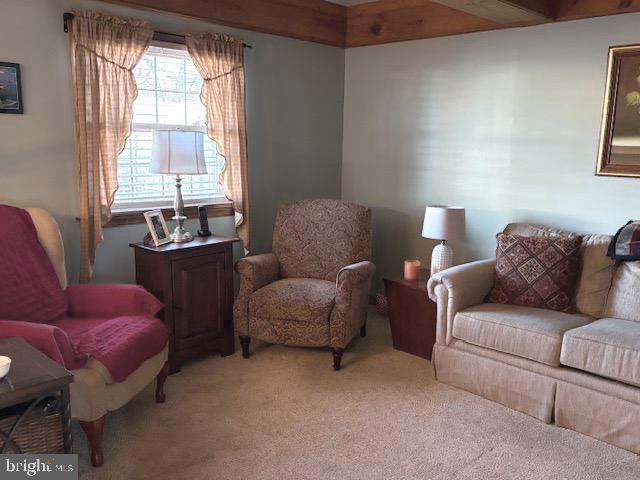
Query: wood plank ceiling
[381,21]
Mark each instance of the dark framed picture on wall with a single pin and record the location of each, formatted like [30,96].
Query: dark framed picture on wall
[10,88]
[619,151]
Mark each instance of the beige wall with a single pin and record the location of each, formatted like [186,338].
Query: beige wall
[294,115]
[505,123]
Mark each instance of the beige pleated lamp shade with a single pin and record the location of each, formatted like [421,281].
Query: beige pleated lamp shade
[443,223]
[178,152]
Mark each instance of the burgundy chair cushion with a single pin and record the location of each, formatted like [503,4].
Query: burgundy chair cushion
[30,289]
[121,344]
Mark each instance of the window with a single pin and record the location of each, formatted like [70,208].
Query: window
[168,97]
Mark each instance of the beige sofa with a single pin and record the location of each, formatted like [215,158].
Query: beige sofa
[94,392]
[581,371]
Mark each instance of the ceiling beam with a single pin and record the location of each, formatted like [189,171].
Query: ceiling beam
[505,12]
[313,20]
[388,21]
[381,21]
[576,9]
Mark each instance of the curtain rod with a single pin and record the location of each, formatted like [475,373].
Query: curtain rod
[161,36]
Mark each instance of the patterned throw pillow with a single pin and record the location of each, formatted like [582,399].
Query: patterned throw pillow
[540,272]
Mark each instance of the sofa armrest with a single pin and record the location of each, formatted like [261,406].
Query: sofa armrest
[457,288]
[353,284]
[255,272]
[49,339]
[111,300]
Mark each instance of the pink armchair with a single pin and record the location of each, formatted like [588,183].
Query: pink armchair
[313,290]
[105,334]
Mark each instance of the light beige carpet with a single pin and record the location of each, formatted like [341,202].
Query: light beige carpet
[285,414]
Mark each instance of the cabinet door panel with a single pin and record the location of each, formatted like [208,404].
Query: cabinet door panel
[199,295]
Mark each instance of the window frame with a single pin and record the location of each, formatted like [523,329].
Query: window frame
[129,214]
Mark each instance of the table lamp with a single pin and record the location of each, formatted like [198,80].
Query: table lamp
[178,152]
[443,223]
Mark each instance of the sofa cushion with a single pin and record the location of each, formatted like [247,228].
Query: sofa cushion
[299,299]
[597,269]
[609,347]
[532,333]
[539,272]
[624,299]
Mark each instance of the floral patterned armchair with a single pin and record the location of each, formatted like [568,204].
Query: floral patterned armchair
[313,290]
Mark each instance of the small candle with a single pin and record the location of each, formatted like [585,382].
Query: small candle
[412,270]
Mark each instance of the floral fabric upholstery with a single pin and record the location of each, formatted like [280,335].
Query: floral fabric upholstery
[316,238]
[298,299]
[314,289]
[255,272]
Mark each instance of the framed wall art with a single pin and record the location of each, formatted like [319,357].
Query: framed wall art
[619,151]
[10,88]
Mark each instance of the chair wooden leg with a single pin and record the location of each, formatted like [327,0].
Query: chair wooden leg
[245,340]
[93,431]
[337,358]
[160,379]
[363,330]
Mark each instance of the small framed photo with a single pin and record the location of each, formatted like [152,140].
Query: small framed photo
[10,88]
[157,227]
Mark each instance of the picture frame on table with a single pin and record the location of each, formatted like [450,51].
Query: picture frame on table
[10,88]
[157,227]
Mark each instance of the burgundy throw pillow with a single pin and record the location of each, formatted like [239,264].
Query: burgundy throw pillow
[30,290]
[540,272]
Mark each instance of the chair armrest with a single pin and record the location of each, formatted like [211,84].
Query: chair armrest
[350,276]
[258,270]
[49,339]
[255,272]
[111,300]
[353,284]
[457,288]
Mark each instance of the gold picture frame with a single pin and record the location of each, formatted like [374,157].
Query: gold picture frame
[619,149]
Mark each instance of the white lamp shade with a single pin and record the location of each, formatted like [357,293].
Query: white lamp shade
[178,152]
[443,223]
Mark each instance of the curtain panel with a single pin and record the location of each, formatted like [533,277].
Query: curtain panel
[220,60]
[104,51]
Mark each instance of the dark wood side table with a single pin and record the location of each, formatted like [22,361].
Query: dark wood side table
[412,315]
[194,280]
[34,402]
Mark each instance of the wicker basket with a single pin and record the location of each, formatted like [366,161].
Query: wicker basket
[37,433]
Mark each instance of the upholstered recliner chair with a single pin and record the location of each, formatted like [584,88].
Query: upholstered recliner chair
[313,290]
[91,314]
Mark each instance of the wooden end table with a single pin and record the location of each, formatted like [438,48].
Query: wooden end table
[194,280]
[412,315]
[34,385]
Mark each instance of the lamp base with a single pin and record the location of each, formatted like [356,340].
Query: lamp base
[441,258]
[180,235]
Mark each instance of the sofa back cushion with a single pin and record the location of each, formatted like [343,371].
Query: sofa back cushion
[539,272]
[624,296]
[596,271]
[30,289]
[316,238]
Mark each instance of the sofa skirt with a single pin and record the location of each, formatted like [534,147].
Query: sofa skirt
[513,387]
[585,403]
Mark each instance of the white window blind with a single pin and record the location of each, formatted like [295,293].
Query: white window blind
[168,97]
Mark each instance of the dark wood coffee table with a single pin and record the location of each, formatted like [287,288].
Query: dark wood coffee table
[34,384]
[412,315]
